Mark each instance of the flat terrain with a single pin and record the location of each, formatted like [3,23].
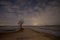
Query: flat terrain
[27,34]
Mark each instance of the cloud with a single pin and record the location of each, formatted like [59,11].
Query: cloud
[46,12]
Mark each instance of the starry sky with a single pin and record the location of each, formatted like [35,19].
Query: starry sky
[33,12]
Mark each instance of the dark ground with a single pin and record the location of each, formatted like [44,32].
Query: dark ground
[27,34]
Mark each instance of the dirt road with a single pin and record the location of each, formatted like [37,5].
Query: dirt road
[27,34]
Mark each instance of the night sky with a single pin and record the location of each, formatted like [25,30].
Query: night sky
[33,12]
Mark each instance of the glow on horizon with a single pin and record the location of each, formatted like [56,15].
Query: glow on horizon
[34,24]
[35,21]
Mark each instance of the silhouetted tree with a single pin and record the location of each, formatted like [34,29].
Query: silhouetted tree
[20,24]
